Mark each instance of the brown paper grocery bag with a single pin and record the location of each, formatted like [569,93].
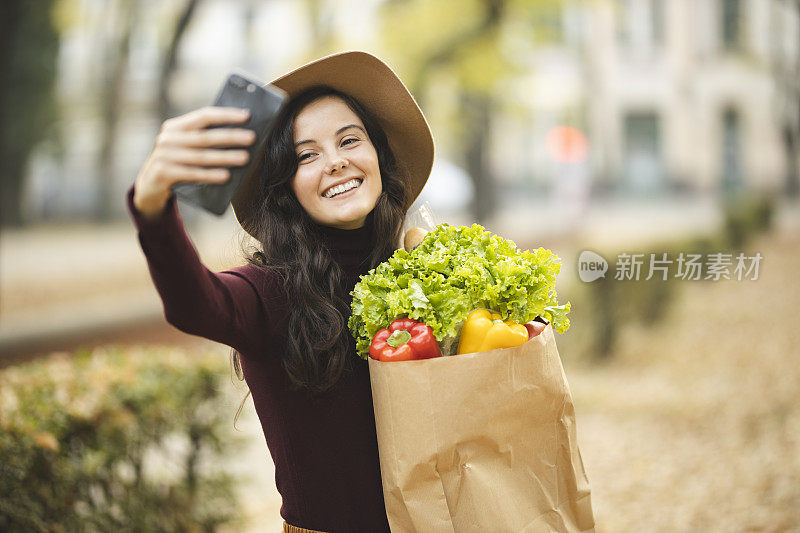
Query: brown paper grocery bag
[481,442]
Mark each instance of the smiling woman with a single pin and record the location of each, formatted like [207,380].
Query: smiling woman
[325,203]
[325,142]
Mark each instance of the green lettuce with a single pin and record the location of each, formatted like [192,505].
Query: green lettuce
[453,271]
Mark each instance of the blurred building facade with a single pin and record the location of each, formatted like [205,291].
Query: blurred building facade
[693,95]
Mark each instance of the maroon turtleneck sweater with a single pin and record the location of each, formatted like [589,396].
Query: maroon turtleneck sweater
[325,448]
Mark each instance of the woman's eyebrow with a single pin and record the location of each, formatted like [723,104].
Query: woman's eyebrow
[340,130]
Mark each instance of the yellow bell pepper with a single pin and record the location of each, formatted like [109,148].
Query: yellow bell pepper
[484,330]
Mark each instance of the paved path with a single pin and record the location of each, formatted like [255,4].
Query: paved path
[60,284]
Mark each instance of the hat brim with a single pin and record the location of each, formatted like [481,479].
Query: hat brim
[375,85]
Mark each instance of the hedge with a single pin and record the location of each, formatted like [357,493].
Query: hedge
[115,439]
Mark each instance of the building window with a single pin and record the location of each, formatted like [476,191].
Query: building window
[643,165]
[731,23]
[640,24]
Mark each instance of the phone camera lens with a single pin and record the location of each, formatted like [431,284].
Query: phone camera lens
[238,82]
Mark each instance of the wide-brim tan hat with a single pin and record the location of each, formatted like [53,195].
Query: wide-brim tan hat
[375,85]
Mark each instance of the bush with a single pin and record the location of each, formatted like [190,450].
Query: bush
[602,307]
[609,303]
[613,302]
[746,216]
[114,439]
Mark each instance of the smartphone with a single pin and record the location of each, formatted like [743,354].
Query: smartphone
[264,103]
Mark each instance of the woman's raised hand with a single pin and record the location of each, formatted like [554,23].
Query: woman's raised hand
[186,151]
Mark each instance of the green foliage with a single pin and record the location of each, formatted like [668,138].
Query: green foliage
[746,216]
[607,303]
[114,440]
[465,52]
[476,41]
[453,271]
[425,21]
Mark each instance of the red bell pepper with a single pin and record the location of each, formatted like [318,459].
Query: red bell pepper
[405,340]
[534,327]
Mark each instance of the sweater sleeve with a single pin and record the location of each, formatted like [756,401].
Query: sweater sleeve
[225,306]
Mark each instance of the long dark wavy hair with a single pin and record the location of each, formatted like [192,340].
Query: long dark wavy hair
[291,246]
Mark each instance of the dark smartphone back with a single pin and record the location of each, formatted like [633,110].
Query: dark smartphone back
[264,103]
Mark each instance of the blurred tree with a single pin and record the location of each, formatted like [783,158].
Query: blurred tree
[322,34]
[784,63]
[467,40]
[116,38]
[791,128]
[28,52]
[121,21]
[791,140]
[169,64]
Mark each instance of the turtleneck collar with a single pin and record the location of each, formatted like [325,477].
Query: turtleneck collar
[349,247]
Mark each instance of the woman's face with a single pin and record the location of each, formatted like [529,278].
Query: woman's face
[338,180]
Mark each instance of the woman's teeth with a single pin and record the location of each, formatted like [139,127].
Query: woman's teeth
[333,191]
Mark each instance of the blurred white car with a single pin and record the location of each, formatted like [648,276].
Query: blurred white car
[449,188]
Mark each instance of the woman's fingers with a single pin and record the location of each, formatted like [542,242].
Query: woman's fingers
[214,137]
[207,116]
[187,149]
[186,173]
[205,157]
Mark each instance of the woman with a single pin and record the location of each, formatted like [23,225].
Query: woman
[349,153]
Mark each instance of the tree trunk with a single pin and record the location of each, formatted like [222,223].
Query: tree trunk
[476,109]
[168,67]
[28,52]
[111,102]
[9,176]
[13,173]
[790,135]
[171,60]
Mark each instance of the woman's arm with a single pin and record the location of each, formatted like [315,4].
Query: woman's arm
[225,307]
